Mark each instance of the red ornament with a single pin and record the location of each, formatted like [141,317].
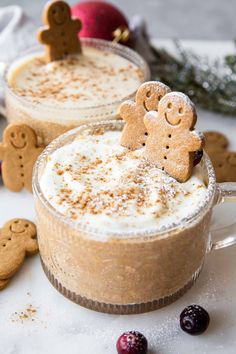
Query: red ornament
[102,20]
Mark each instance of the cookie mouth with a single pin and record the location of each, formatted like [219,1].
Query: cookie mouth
[145,105]
[166,117]
[18,146]
[16,231]
[59,20]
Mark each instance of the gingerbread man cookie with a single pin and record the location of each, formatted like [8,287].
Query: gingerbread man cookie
[147,99]
[17,239]
[171,141]
[215,142]
[224,161]
[225,166]
[60,36]
[18,153]
[3,283]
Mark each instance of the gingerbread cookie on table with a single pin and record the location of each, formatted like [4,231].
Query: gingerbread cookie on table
[215,142]
[17,240]
[171,141]
[60,36]
[225,166]
[147,99]
[18,153]
[4,283]
[224,161]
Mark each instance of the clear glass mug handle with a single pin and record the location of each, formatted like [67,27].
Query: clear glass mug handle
[226,192]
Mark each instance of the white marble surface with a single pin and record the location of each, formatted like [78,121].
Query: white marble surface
[59,326]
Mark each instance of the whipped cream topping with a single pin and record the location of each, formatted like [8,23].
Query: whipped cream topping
[94,78]
[95,181]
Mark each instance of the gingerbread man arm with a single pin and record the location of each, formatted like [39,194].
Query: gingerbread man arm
[45,36]
[77,25]
[192,141]
[150,120]
[2,151]
[127,111]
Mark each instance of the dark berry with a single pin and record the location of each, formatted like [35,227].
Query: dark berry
[132,342]
[197,157]
[194,319]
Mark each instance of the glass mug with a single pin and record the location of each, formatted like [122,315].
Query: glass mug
[134,273]
[48,120]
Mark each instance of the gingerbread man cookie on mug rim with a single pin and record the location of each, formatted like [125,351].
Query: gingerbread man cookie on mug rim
[60,36]
[147,99]
[171,141]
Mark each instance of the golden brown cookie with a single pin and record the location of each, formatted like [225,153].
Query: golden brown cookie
[4,283]
[147,99]
[215,142]
[225,166]
[60,36]
[18,153]
[17,240]
[171,141]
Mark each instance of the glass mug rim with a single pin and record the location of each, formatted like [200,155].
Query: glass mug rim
[152,233]
[116,48]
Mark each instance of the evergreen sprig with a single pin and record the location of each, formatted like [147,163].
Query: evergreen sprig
[210,84]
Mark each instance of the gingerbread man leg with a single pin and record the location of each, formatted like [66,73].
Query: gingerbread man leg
[11,177]
[28,181]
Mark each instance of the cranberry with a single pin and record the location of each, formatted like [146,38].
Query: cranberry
[132,342]
[197,157]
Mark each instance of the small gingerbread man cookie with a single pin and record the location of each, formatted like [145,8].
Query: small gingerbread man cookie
[171,141]
[215,142]
[4,283]
[225,166]
[60,36]
[17,239]
[147,98]
[18,153]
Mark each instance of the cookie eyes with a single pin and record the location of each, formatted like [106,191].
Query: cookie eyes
[58,9]
[148,94]
[169,106]
[23,135]
[181,110]
[13,135]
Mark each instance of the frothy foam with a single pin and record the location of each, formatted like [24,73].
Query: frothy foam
[92,79]
[96,181]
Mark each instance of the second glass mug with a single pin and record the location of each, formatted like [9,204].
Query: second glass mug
[122,274]
[48,120]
